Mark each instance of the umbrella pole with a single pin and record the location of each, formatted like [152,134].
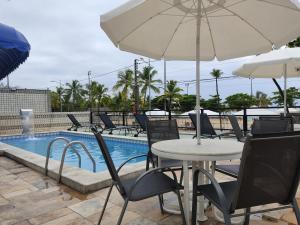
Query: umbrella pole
[285,87]
[198,72]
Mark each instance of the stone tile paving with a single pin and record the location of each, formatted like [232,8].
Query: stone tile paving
[29,198]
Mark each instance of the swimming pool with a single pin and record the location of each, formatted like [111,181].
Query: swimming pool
[120,149]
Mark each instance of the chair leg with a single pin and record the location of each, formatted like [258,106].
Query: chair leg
[181,207]
[122,212]
[227,219]
[296,210]
[161,203]
[194,207]
[105,203]
[247,217]
[181,176]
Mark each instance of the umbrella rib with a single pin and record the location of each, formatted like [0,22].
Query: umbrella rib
[210,32]
[245,21]
[176,29]
[157,14]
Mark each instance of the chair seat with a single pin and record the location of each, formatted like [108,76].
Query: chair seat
[230,170]
[151,185]
[229,189]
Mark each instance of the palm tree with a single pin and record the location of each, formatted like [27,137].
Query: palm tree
[97,92]
[125,82]
[75,93]
[146,80]
[216,73]
[60,91]
[262,99]
[172,94]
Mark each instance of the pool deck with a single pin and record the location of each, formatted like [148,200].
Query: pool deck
[29,198]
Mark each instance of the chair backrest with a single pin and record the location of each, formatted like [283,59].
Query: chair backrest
[74,120]
[288,118]
[161,130]
[109,162]
[270,126]
[142,119]
[206,127]
[269,172]
[107,121]
[236,127]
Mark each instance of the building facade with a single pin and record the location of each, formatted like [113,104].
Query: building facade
[12,100]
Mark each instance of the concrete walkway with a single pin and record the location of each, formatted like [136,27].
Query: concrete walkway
[29,198]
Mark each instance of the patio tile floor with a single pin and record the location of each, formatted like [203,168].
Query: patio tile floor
[29,198]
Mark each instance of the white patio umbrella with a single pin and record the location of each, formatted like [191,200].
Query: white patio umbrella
[201,29]
[157,112]
[256,112]
[206,111]
[275,64]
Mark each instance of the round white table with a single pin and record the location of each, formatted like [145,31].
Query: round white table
[187,150]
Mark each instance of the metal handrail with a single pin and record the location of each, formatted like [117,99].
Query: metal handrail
[64,155]
[49,150]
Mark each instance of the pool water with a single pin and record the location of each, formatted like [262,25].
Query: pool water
[119,149]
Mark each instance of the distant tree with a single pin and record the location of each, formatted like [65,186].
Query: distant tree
[262,99]
[187,102]
[240,100]
[98,91]
[294,44]
[292,94]
[124,83]
[146,80]
[75,94]
[213,103]
[172,95]
[55,101]
[216,73]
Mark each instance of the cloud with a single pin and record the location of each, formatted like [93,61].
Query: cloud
[67,42]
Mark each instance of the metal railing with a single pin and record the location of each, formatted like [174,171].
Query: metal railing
[245,120]
[67,141]
[70,146]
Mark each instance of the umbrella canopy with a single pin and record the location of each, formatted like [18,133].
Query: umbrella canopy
[277,63]
[272,64]
[257,112]
[206,111]
[14,49]
[157,112]
[201,29]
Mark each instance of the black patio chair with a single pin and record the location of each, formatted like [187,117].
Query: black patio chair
[206,128]
[109,125]
[162,130]
[233,169]
[288,118]
[152,183]
[75,123]
[270,171]
[236,128]
[142,120]
[270,126]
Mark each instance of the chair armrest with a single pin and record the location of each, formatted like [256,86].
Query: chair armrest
[124,163]
[158,169]
[214,182]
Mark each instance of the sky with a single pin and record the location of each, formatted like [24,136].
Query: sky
[67,42]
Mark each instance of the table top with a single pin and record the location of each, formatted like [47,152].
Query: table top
[209,150]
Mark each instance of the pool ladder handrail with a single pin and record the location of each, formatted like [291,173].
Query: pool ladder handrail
[67,141]
[68,146]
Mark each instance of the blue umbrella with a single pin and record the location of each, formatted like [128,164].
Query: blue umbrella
[14,49]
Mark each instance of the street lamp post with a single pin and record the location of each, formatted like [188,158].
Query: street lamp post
[60,97]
